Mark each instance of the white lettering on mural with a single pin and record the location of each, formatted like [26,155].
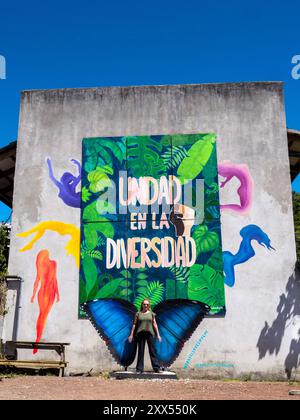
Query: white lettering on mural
[134,252]
[140,252]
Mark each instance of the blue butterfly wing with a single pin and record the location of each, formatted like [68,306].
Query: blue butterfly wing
[113,319]
[177,320]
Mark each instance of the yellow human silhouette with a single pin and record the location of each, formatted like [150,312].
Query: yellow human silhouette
[72,247]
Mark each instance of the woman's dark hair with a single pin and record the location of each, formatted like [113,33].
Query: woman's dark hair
[148,300]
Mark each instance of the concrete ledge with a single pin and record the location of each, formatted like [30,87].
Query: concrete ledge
[145,375]
[294,392]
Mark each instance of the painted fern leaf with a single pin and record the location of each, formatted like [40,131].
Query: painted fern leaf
[180,273]
[167,157]
[154,293]
[178,154]
[173,156]
[96,254]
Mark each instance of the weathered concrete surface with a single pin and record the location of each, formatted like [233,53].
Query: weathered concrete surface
[261,326]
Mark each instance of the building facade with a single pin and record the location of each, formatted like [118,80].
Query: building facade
[233,138]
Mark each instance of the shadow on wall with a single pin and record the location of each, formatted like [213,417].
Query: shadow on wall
[271,337]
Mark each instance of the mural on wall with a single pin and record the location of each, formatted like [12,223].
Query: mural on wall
[61,228]
[245,251]
[150,228]
[229,170]
[46,282]
[67,185]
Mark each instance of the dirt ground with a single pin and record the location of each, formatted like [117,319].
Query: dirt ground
[99,388]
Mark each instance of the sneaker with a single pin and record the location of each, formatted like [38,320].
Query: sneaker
[157,370]
[139,371]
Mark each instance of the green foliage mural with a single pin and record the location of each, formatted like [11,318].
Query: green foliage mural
[139,237]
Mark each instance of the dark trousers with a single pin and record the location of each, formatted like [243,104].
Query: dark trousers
[142,337]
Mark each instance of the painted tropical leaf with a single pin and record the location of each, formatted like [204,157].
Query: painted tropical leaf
[99,179]
[92,230]
[170,288]
[108,291]
[90,273]
[125,293]
[210,171]
[82,291]
[104,206]
[154,292]
[205,240]
[181,274]
[91,213]
[142,276]
[216,260]
[206,285]
[214,212]
[104,278]
[95,253]
[214,188]
[143,155]
[173,156]
[177,288]
[197,157]
[116,148]
[102,151]
[142,283]
[85,194]
[90,158]
[181,139]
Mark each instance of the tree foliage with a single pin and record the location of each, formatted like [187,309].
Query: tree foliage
[4,248]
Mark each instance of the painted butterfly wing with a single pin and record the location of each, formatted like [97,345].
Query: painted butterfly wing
[113,319]
[177,320]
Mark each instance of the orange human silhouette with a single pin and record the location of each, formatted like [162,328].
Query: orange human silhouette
[48,291]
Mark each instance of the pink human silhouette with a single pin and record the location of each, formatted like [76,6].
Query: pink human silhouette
[228,170]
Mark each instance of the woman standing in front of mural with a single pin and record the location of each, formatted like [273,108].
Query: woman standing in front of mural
[143,328]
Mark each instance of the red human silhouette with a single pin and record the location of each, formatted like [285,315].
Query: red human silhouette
[48,291]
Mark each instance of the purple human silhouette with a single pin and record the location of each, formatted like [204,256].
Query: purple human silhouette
[67,185]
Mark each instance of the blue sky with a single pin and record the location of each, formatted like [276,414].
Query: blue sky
[61,44]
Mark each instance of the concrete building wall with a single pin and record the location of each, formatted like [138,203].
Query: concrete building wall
[261,327]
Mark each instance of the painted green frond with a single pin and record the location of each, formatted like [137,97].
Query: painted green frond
[108,291]
[99,180]
[85,195]
[206,285]
[96,254]
[174,156]
[180,273]
[197,157]
[154,293]
[216,260]
[102,151]
[143,155]
[205,240]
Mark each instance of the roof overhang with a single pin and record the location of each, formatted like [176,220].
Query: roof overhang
[7,172]
[294,152]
